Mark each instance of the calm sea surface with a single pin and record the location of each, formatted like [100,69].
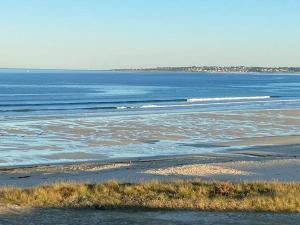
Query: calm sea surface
[48,116]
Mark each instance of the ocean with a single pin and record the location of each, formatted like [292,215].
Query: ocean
[66,116]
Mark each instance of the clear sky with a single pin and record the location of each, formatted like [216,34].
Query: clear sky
[104,34]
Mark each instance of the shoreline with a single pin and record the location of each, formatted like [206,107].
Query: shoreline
[248,147]
[100,140]
[270,163]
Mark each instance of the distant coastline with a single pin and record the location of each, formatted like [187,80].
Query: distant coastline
[206,69]
[222,69]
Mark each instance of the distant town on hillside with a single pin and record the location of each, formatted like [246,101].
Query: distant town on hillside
[223,69]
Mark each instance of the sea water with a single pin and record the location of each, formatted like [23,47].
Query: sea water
[62,116]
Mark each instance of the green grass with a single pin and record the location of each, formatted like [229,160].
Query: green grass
[183,195]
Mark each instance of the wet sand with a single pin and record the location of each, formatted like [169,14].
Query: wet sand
[36,140]
[258,141]
[279,163]
[74,156]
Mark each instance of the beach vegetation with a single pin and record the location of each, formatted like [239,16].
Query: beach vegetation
[179,195]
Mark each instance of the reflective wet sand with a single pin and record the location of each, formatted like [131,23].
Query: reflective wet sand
[44,140]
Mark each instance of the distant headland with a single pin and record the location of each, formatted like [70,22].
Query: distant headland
[222,69]
[207,69]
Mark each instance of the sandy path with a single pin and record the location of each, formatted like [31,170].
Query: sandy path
[95,217]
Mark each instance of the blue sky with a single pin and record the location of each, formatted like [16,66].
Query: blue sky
[104,34]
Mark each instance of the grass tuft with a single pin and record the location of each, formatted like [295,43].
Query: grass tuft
[183,195]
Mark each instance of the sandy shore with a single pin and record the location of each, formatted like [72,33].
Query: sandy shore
[277,159]
[259,141]
[53,140]
[268,163]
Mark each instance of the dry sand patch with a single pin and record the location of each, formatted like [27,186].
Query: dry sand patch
[197,170]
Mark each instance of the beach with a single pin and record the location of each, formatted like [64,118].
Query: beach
[279,163]
[248,154]
[134,128]
[270,163]
[42,140]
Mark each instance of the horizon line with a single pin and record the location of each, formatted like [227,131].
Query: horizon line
[138,68]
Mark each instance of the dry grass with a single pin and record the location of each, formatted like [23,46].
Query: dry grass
[192,195]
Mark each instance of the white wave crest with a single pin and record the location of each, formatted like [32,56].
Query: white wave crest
[226,99]
[122,107]
[152,106]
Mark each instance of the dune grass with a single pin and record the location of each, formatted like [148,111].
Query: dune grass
[183,195]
